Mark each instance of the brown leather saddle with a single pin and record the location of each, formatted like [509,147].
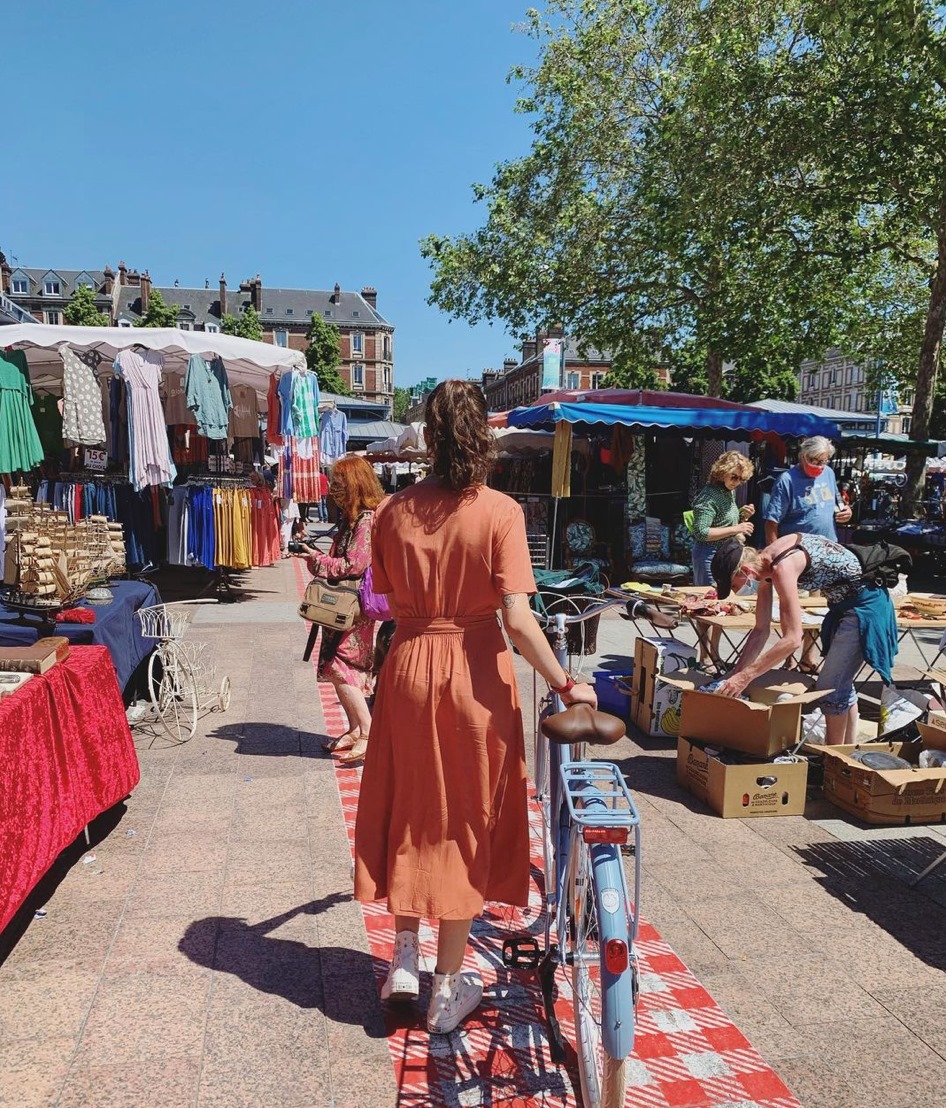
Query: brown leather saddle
[582,724]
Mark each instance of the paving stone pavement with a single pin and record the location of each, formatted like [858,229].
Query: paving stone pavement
[211,953]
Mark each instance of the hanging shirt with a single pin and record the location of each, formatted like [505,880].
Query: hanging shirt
[333,437]
[149,456]
[48,419]
[284,390]
[273,435]
[208,395]
[176,411]
[81,401]
[305,404]
[20,447]
[244,415]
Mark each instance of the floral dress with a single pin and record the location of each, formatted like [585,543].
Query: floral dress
[347,657]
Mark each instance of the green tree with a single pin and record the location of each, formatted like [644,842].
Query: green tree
[247,325]
[81,310]
[159,313]
[402,401]
[323,355]
[654,210]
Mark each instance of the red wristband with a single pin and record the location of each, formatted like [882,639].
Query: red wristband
[567,687]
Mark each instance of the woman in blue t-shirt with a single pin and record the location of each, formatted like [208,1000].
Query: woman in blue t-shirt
[804,499]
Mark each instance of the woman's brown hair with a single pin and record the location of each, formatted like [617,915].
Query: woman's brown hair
[459,440]
[354,487]
[731,464]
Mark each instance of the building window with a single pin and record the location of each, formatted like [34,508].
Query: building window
[185,325]
[289,311]
[212,328]
[124,323]
[386,348]
[52,288]
[905,425]
[357,376]
[20,286]
[267,311]
[572,380]
[54,318]
[358,345]
[281,338]
[597,380]
[355,313]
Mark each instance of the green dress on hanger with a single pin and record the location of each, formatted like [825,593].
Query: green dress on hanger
[20,448]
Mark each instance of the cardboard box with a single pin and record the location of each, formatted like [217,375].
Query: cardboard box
[655,705]
[933,733]
[761,725]
[884,797]
[745,790]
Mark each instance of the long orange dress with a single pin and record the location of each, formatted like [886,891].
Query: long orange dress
[442,815]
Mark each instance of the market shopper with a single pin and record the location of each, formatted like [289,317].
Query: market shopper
[804,499]
[442,820]
[715,513]
[323,497]
[346,658]
[860,624]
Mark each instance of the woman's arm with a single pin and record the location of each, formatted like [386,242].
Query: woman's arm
[704,519]
[524,631]
[353,562]
[752,664]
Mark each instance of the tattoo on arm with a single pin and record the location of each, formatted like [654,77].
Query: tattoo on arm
[510,598]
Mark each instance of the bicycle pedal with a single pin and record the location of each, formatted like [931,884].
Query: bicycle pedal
[629,849]
[521,953]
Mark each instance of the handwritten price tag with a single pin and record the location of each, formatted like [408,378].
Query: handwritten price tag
[96,460]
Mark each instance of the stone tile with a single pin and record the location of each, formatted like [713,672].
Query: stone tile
[71,935]
[266,901]
[32,1071]
[192,789]
[167,945]
[107,879]
[281,1077]
[45,1001]
[203,849]
[270,824]
[816,1084]
[142,1015]
[149,1083]
[250,862]
[196,894]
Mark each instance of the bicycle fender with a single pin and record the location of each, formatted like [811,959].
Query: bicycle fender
[617,991]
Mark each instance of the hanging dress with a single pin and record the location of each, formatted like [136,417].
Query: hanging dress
[82,421]
[20,448]
[149,455]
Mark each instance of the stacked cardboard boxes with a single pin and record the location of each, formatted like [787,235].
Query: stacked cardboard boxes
[655,701]
[727,746]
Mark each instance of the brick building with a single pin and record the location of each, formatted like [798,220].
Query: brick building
[367,338]
[520,383]
[839,381]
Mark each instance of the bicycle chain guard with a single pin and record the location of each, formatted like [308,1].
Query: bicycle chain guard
[521,952]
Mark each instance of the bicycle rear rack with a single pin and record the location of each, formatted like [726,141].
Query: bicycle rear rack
[597,795]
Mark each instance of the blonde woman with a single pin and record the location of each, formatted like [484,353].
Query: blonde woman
[715,514]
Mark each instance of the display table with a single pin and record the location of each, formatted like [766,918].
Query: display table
[115,626]
[66,756]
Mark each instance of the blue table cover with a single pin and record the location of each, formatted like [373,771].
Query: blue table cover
[115,626]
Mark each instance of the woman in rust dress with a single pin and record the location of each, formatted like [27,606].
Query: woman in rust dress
[442,816]
[346,658]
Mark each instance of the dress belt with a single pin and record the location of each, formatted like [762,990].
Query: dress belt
[421,625]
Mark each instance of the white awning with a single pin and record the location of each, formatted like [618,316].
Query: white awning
[248,362]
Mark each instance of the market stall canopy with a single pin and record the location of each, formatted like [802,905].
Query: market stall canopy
[789,407]
[734,420]
[410,445]
[897,445]
[248,362]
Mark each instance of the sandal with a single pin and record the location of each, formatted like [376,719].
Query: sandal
[356,755]
[338,744]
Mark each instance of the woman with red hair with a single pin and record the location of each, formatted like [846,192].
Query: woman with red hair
[346,658]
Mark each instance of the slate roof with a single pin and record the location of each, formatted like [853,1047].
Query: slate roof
[374,431]
[67,276]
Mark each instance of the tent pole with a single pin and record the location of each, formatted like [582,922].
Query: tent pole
[554,529]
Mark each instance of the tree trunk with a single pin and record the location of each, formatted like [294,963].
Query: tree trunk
[928,368]
[714,373]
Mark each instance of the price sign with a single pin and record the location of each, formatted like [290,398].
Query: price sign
[96,460]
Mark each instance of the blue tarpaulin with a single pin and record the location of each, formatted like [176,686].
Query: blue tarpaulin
[737,422]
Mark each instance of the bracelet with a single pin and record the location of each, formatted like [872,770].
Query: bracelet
[562,689]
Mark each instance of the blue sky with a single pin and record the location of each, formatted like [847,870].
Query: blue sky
[310,141]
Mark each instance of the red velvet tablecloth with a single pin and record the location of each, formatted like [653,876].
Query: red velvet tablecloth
[66,756]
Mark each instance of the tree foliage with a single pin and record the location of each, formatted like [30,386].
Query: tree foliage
[323,355]
[402,401]
[247,325]
[159,313]
[81,310]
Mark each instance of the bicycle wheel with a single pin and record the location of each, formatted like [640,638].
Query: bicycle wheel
[602,1077]
[177,694]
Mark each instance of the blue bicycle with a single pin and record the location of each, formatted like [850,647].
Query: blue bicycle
[591,919]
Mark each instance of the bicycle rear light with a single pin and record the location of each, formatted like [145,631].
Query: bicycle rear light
[615,955]
[604,834]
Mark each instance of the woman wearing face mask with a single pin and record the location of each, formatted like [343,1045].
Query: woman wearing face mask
[860,624]
[805,498]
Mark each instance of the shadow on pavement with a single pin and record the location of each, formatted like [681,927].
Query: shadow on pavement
[868,877]
[276,740]
[336,980]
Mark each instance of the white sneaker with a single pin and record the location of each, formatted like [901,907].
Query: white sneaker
[454,996]
[403,982]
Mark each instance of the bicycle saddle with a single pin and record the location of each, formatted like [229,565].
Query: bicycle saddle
[582,724]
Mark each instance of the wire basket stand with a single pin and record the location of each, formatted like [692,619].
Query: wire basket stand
[182,672]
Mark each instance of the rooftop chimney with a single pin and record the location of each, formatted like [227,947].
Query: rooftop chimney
[109,279]
[223,294]
[508,364]
[122,270]
[528,349]
[337,299]
[257,291]
[145,291]
[5,274]
[370,296]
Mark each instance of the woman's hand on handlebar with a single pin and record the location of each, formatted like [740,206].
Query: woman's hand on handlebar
[581,693]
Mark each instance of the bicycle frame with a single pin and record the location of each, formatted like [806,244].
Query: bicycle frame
[581,797]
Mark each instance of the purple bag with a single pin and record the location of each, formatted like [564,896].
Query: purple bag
[374,605]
